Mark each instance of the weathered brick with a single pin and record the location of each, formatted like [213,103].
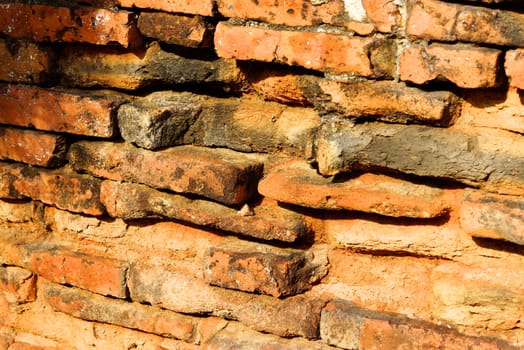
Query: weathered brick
[487,295]
[384,14]
[493,109]
[64,24]
[333,53]
[97,274]
[292,316]
[32,147]
[61,188]
[384,100]
[133,201]
[203,7]
[237,336]
[219,174]
[93,307]
[298,183]
[465,66]
[493,216]
[514,65]
[142,68]
[278,84]
[262,269]
[18,284]
[432,19]
[25,62]
[348,327]
[83,113]
[187,31]
[16,211]
[491,160]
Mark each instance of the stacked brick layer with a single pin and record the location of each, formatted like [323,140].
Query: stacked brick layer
[228,174]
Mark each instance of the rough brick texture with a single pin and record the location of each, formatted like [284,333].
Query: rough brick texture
[25,62]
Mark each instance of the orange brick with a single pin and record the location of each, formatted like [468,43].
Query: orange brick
[19,284]
[432,19]
[514,65]
[25,62]
[61,188]
[187,31]
[384,14]
[225,176]
[97,274]
[467,67]
[32,147]
[83,113]
[339,54]
[201,7]
[62,24]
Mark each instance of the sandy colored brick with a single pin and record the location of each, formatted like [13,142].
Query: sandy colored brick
[438,20]
[225,176]
[465,66]
[189,31]
[134,201]
[93,307]
[97,274]
[62,24]
[258,268]
[32,147]
[18,284]
[514,65]
[75,112]
[203,7]
[25,62]
[339,54]
[299,184]
[16,211]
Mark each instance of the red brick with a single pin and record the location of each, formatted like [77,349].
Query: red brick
[465,66]
[93,307]
[432,19]
[97,274]
[61,188]
[384,14]
[219,174]
[134,201]
[298,183]
[25,62]
[63,24]
[514,65]
[202,7]
[320,51]
[32,147]
[181,30]
[493,216]
[261,269]
[18,283]
[83,113]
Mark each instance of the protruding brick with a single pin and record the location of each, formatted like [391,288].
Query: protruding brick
[61,188]
[18,283]
[487,295]
[202,7]
[82,113]
[32,147]
[298,183]
[348,327]
[187,31]
[123,69]
[133,201]
[339,54]
[493,216]
[97,274]
[262,269]
[438,20]
[93,307]
[384,100]
[219,174]
[64,24]
[465,66]
[289,317]
[514,65]
[25,62]
[491,160]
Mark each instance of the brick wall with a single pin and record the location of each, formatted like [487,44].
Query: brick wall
[234,174]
